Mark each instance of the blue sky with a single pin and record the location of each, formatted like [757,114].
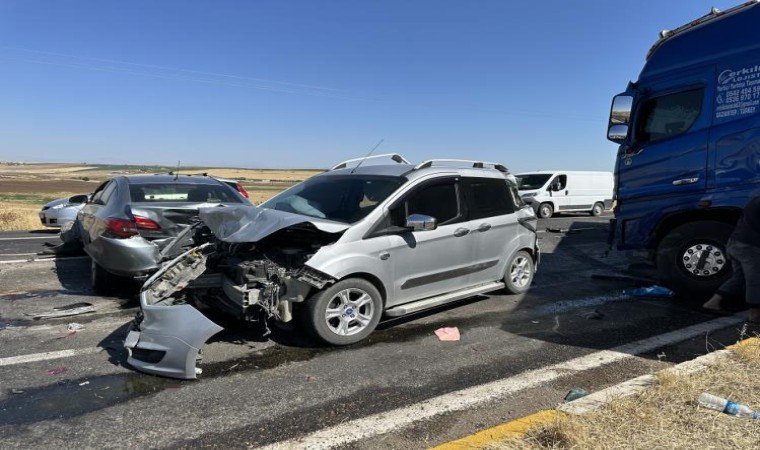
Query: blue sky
[304,84]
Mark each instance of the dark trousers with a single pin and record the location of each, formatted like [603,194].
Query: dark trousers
[745,260]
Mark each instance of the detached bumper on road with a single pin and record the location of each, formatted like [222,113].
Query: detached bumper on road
[167,336]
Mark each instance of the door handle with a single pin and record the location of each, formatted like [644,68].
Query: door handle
[459,232]
[683,181]
[484,227]
[384,255]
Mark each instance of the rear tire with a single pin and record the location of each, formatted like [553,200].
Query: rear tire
[519,274]
[344,313]
[598,209]
[545,210]
[692,258]
[100,279]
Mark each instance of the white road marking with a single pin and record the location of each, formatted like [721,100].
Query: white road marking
[37,260]
[17,254]
[376,424]
[34,357]
[29,237]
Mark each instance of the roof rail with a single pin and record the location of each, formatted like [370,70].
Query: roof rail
[393,156]
[474,164]
[714,14]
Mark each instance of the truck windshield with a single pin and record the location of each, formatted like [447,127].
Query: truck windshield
[344,199]
[531,182]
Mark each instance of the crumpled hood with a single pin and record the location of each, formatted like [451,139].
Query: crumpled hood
[242,223]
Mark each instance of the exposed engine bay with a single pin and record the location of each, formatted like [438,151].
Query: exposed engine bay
[254,281]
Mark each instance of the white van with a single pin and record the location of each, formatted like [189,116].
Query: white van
[553,191]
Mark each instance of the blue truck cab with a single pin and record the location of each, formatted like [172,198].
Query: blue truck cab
[689,154]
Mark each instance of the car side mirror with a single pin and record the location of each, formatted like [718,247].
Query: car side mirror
[421,222]
[78,199]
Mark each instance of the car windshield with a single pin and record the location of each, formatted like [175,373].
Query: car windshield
[530,182]
[346,199]
[181,192]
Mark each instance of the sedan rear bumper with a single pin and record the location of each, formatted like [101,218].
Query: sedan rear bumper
[125,257]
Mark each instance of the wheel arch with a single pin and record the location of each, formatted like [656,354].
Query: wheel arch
[669,223]
[372,279]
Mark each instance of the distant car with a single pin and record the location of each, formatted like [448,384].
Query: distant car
[129,220]
[59,212]
[235,184]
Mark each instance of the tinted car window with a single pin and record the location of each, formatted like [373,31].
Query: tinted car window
[440,200]
[668,115]
[344,199]
[489,197]
[182,193]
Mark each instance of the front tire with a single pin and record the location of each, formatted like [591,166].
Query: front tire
[345,313]
[692,258]
[519,274]
[545,210]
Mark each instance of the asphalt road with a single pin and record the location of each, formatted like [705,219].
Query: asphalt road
[61,389]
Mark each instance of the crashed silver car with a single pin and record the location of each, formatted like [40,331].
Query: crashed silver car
[341,249]
[128,223]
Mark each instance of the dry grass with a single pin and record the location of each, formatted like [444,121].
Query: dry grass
[666,416]
[19,216]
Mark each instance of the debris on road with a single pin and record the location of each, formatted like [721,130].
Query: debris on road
[56,371]
[73,327]
[84,383]
[575,394]
[73,309]
[16,391]
[621,277]
[447,334]
[651,291]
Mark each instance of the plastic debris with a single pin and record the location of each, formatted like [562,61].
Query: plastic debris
[16,391]
[447,334]
[56,371]
[593,315]
[575,394]
[651,291]
[73,327]
[84,383]
[73,309]
[727,406]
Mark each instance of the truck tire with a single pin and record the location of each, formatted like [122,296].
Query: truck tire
[545,210]
[598,209]
[344,313]
[692,258]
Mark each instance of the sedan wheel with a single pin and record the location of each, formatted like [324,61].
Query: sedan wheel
[344,313]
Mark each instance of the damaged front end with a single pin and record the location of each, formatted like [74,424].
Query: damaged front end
[248,262]
[167,334]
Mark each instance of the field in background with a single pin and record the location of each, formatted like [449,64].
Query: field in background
[24,188]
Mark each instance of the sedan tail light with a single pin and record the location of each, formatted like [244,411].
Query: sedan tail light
[143,223]
[241,189]
[124,228]
[121,228]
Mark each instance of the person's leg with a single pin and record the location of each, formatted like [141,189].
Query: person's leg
[750,260]
[734,286]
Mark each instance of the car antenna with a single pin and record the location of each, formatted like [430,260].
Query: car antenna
[368,154]
[176,173]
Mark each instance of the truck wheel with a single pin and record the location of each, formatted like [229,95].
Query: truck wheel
[519,274]
[100,279]
[344,313]
[545,210]
[692,258]
[598,209]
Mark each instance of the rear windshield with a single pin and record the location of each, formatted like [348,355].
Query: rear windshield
[344,199]
[530,182]
[184,193]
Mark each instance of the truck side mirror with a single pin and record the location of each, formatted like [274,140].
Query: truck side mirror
[620,117]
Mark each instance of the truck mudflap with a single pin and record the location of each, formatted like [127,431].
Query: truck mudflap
[167,334]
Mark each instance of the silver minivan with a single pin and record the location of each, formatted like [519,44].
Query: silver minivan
[341,250]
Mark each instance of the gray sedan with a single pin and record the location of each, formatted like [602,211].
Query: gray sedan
[129,220]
